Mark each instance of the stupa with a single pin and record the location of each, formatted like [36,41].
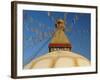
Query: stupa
[60,54]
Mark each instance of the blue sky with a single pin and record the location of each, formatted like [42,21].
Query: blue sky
[38,27]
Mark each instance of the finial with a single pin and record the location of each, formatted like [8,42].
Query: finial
[60,24]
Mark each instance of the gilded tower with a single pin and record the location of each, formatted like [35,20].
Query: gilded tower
[59,41]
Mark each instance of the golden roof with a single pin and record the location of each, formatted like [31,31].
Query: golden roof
[60,37]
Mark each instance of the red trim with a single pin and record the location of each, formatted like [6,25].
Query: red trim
[59,45]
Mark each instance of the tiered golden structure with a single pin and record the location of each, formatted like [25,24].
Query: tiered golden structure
[60,40]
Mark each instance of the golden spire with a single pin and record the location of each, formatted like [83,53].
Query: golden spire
[60,40]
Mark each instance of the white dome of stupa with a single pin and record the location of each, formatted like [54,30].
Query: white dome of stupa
[58,59]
